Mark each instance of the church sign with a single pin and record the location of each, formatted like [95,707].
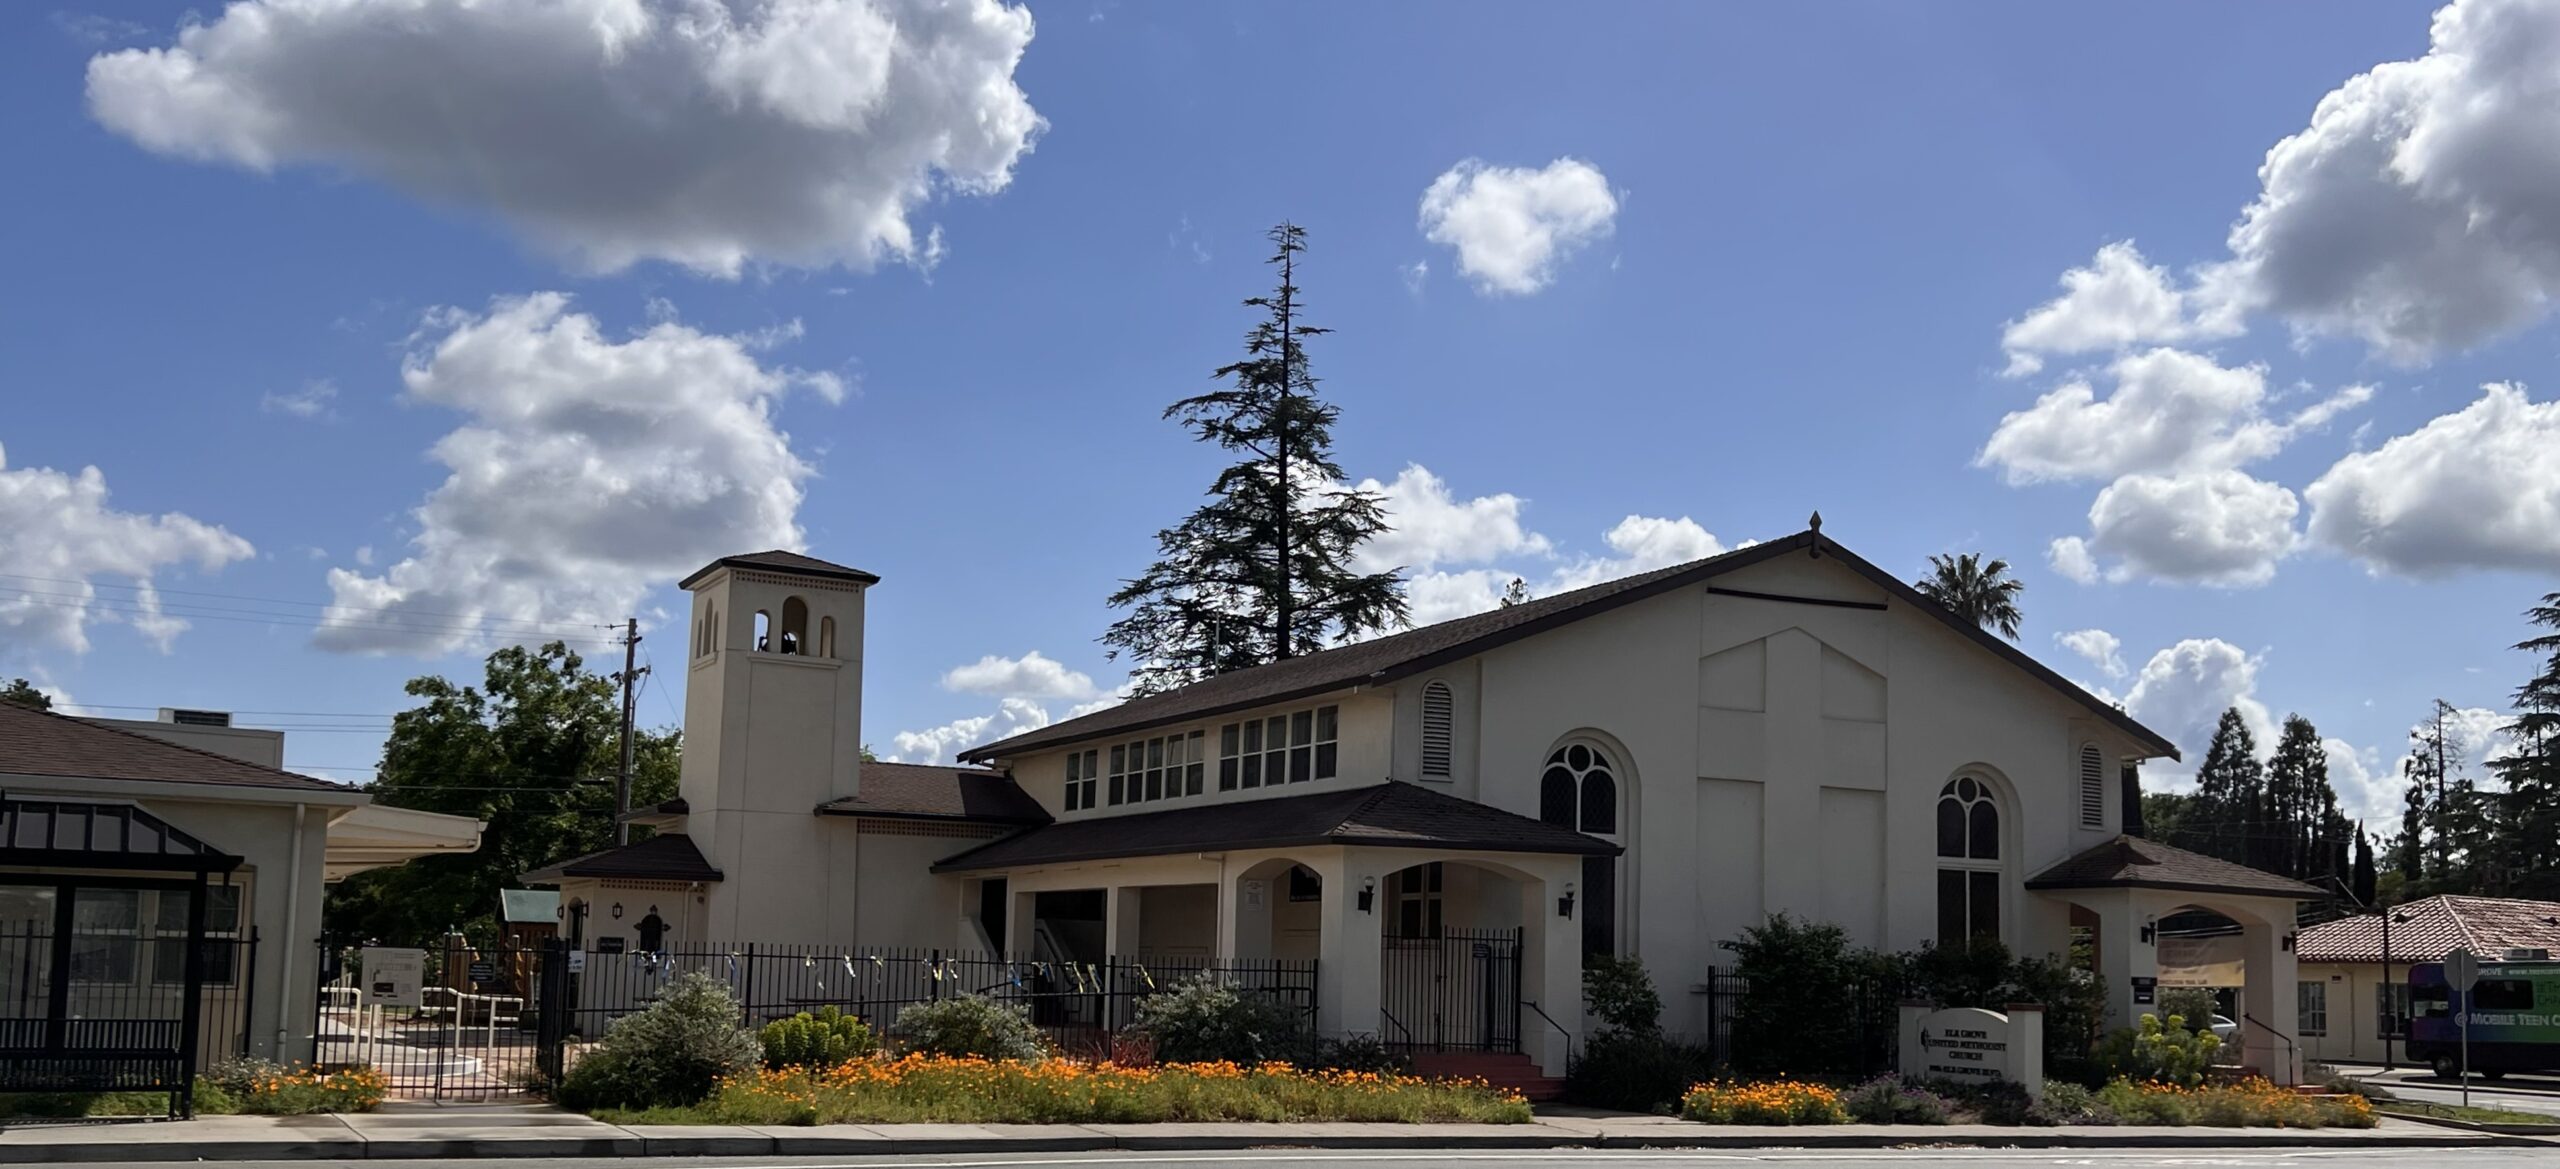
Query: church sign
[1970,1045]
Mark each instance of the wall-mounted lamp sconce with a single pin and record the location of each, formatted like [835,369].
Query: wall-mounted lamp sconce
[1564,904]
[617,911]
[2150,932]
[1368,893]
[2288,940]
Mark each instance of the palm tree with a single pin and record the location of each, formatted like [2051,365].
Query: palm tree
[1979,591]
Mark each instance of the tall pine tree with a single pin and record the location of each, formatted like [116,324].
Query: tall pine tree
[1263,570]
[2530,829]
[2306,836]
[2231,795]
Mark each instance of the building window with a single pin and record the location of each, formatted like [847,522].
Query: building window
[2093,787]
[1579,790]
[106,934]
[221,931]
[826,637]
[1968,861]
[764,632]
[1304,885]
[1161,768]
[2391,1011]
[2311,1008]
[1289,748]
[1417,901]
[1083,776]
[795,626]
[1439,718]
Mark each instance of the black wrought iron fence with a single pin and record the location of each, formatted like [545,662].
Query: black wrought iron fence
[493,1022]
[110,1009]
[1457,990]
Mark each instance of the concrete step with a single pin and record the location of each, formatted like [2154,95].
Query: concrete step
[1502,1069]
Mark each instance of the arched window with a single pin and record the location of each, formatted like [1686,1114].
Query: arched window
[795,625]
[2093,787]
[1969,867]
[1580,790]
[1439,708]
[702,635]
[764,632]
[826,637]
[711,642]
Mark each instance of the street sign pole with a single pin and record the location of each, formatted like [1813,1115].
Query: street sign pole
[2462,972]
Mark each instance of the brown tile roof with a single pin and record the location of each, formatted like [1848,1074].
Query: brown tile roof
[2131,861]
[778,560]
[1395,815]
[668,856]
[39,743]
[1397,655]
[2490,926]
[909,791]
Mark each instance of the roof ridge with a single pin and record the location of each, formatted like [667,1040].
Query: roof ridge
[157,741]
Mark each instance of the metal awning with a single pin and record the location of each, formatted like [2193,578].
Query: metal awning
[103,835]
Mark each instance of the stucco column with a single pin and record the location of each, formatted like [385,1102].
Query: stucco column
[1021,927]
[1244,929]
[1350,948]
[1551,966]
[2269,1011]
[2122,954]
[1120,921]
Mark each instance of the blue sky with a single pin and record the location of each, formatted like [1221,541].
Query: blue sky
[506,330]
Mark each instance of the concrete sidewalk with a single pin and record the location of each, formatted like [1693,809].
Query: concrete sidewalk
[543,1132]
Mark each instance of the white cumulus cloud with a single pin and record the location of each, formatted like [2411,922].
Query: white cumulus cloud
[944,743]
[2420,208]
[2211,527]
[1428,526]
[2118,301]
[60,543]
[2182,691]
[587,471]
[2102,649]
[2170,410]
[1033,675]
[1511,226]
[711,135]
[2477,488]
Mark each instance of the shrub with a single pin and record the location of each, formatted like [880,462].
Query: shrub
[1208,1019]
[1793,1017]
[2075,1012]
[970,1025]
[2157,1051]
[2195,1004]
[2133,1104]
[2069,1103]
[1888,1100]
[1360,1053]
[1767,1102]
[1616,990]
[265,1087]
[1634,1072]
[824,1039]
[673,1053]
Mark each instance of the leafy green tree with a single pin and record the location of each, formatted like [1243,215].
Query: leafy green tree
[20,692]
[1977,590]
[531,751]
[2531,775]
[1263,570]
[2231,794]
[2308,837]
[2367,882]
[2168,817]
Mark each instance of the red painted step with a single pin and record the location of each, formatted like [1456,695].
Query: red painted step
[1502,1069]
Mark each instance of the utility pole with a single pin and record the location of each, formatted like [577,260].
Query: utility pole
[622,774]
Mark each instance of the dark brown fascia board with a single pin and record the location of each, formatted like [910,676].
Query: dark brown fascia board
[1705,570]
[851,574]
[934,817]
[2308,893]
[1431,661]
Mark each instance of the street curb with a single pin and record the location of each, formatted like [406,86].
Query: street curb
[634,1145]
[2517,1130]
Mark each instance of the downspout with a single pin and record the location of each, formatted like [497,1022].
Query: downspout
[292,927]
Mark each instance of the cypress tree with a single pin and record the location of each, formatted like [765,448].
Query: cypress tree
[2231,793]
[2530,832]
[1263,570]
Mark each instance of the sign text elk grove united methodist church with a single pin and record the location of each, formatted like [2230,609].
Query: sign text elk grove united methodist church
[1974,1046]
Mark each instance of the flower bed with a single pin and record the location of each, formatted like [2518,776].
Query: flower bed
[267,1089]
[2252,1103]
[940,1089]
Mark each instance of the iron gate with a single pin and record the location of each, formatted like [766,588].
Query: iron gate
[1456,991]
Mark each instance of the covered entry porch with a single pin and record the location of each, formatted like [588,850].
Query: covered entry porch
[2124,889]
[1431,922]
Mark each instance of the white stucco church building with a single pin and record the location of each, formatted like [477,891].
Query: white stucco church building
[1644,767]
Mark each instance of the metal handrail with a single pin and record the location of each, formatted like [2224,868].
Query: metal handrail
[1390,1016]
[2293,1054]
[1532,1004]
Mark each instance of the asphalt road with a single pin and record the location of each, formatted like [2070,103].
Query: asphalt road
[2537,1158]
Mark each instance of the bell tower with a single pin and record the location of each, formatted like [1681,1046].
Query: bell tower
[772,729]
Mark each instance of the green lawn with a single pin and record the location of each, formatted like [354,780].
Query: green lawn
[2457,1112]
